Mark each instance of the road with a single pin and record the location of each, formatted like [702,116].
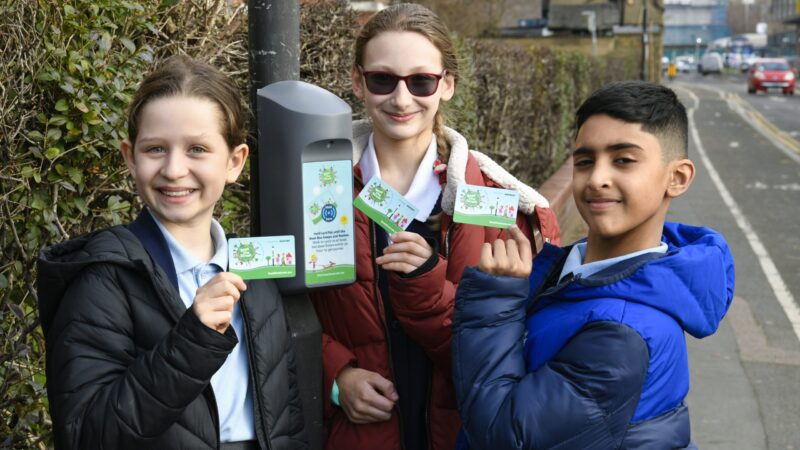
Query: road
[746,378]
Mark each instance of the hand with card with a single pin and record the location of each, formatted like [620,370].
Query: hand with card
[213,303]
[406,253]
[511,257]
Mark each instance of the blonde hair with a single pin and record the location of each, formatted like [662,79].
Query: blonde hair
[417,19]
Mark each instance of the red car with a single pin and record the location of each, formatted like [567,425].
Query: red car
[771,73]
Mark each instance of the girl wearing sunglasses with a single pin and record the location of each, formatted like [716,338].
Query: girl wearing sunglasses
[386,342]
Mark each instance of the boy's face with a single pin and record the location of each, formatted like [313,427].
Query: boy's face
[622,185]
[181,162]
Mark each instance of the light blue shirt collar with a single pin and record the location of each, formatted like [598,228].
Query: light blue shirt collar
[184,261]
[574,262]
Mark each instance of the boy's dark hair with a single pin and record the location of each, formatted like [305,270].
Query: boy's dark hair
[655,107]
[182,75]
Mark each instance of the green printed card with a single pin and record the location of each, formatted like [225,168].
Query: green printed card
[485,206]
[261,257]
[385,206]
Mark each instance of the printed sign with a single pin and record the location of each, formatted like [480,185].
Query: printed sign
[488,207]
[328,222]
[262,257]
[385,206]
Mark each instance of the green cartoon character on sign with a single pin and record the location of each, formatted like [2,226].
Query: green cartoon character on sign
[327,176]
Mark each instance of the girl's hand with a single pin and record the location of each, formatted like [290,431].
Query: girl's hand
[407,252]
[213,302]
[365,396]
[512,257]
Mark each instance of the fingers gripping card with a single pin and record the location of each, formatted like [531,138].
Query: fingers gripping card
[385,206]
[262,257]
[485,206]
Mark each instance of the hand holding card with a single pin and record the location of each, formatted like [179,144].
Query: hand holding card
[407,252]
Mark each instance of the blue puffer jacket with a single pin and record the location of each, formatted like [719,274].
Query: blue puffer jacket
[596,362]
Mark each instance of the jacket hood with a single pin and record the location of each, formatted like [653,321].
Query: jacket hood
[692,283]
[457,168]
[59,264]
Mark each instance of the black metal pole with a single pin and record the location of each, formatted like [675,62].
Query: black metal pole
[645,42]
[274,35]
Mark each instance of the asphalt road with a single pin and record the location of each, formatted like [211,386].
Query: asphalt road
[746,378]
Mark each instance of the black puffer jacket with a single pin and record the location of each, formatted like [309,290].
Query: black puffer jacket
[129,366]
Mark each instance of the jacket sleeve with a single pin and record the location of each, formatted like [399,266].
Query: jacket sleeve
[104,390]
[335,357]
[584,398]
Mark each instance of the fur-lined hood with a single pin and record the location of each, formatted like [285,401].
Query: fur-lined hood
[456,169]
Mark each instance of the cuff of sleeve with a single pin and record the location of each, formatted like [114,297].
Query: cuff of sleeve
[335,394]
[429,264]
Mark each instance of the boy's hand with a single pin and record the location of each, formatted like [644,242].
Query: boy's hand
[407,252]
[213,302]
[365,396]
[511,257]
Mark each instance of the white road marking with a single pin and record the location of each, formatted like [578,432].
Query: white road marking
[757,185]
[734,144]
[774,278]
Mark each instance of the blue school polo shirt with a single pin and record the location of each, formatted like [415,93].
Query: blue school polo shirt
[231,381]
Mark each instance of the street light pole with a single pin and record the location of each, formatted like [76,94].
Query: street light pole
[592,25]
[747,4]
[645,43]
[697,43]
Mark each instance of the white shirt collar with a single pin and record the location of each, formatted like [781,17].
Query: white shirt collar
[425,188]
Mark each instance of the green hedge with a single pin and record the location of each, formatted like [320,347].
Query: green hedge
[70,67]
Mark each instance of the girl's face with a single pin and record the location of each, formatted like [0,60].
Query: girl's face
[400,115]
[181,162]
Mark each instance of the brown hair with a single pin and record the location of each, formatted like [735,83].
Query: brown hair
[418,19]
[181,75]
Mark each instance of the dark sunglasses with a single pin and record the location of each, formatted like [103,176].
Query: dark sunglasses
[418,84]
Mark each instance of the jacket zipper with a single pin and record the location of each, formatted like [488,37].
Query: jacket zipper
[262,440]
[382,316]
[212,406]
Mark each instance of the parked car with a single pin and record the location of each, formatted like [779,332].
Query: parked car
[710,63]
[685,63]
[771,74]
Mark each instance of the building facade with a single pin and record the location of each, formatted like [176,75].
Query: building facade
[690,25]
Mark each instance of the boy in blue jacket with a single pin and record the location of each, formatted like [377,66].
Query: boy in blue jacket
[586,349]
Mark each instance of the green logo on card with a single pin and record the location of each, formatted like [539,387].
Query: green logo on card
[245,252]
[471,199]
[378,194]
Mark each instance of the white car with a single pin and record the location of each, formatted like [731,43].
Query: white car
[710,63]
